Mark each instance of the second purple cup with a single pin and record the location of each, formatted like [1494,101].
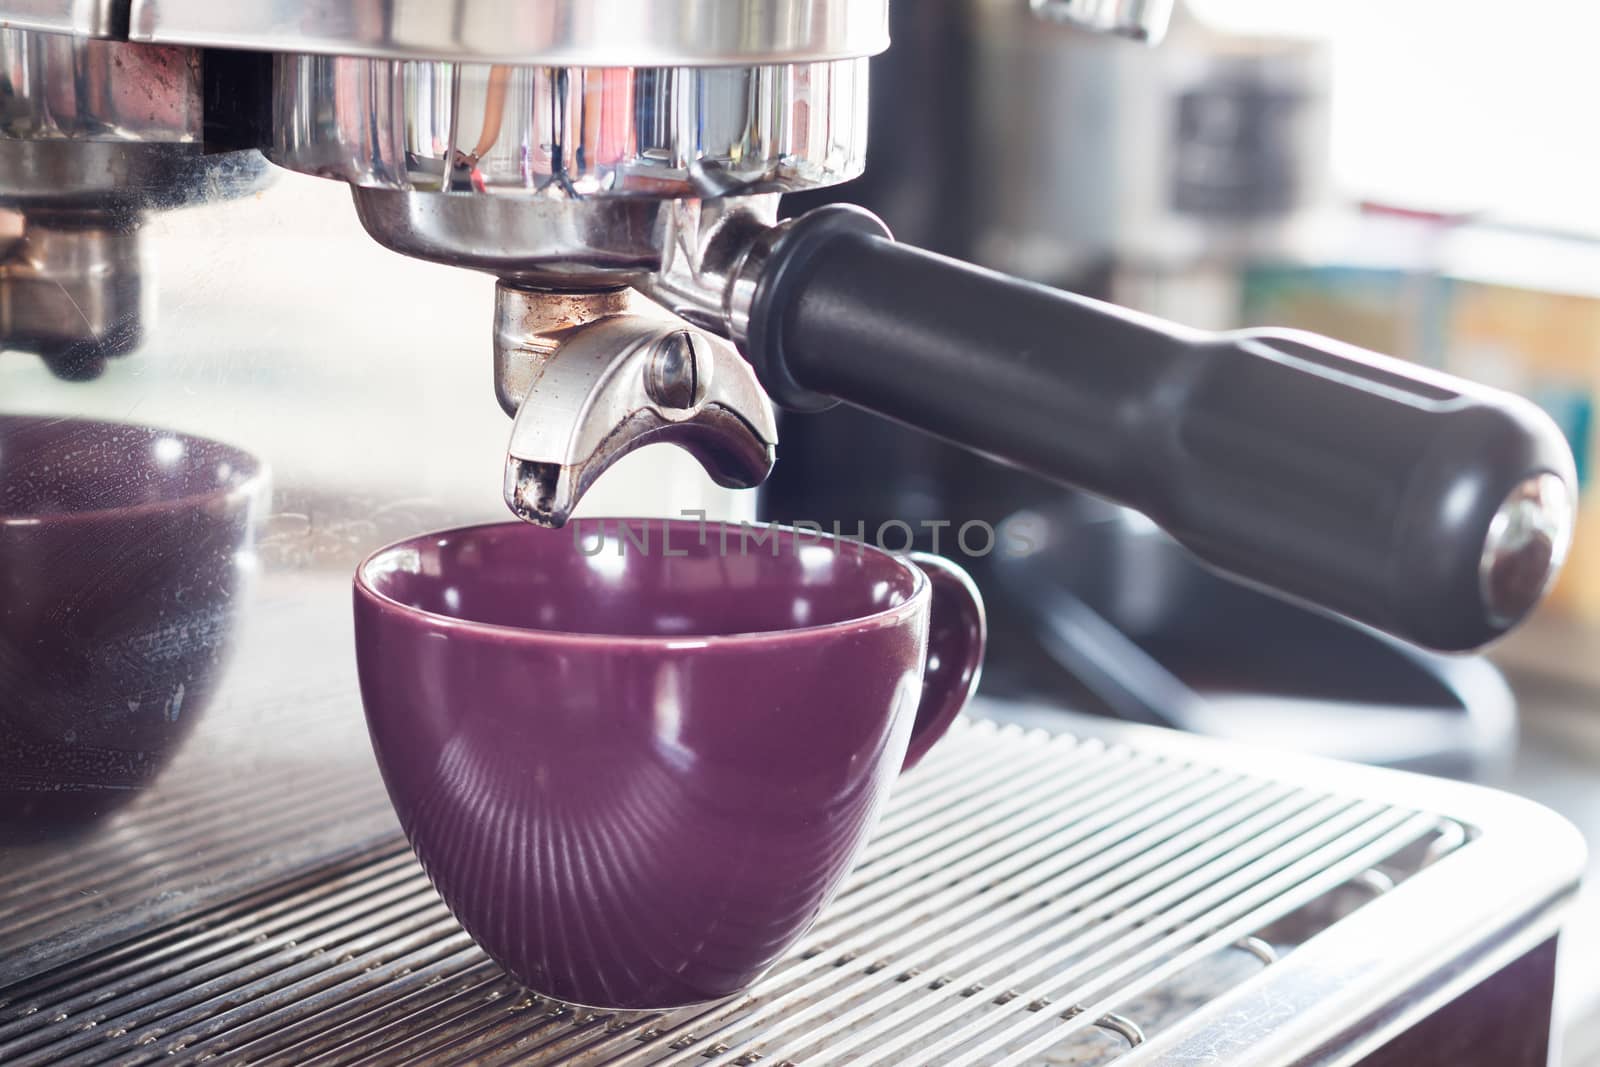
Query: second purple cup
[637,762]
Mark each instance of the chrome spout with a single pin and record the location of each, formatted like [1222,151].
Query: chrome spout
[623,381]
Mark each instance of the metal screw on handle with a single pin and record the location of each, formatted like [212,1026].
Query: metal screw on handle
[1527,543]
[673,376]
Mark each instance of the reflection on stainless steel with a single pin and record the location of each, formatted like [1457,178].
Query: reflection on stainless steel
[54,86]
[688,255]
[620,382]
[1527,543]
[105,125]
[569,132]
[82,18]
[1141,20]
[125,555]
[559,243]
[124,178]
[637,33]
[709,252]
[74,294]
[95,134]
[73,266]
[529,325]
[275,778]
[1156,899]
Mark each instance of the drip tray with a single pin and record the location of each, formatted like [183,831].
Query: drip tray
[1028,898]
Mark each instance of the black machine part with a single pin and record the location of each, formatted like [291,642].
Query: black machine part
[1122,613]
[1428,507]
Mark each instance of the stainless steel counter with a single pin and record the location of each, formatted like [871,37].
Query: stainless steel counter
[1130,896]
[1557,763]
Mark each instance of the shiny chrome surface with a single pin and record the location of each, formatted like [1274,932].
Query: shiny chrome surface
[1140,20]
[96,176]
[612,33]
[56,87]
[691,256]
[570,132]
[557,243]
[710,259]
[1527,544]
[81,18]
[618,383]
[586,178]
[94,134]
[73,262]
[1146,898]
[530,324]
[744,277]
[74,294]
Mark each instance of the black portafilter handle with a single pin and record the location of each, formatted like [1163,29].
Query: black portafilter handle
[1428,507]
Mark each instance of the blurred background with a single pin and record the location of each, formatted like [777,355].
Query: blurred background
[1421,178]
[1417,178]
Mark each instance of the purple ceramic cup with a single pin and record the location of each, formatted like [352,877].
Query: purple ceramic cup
[637,765]
[120,578]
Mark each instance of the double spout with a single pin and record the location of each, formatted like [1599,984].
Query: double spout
[590,379]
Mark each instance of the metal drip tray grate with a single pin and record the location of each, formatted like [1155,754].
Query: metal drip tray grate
[1026,900]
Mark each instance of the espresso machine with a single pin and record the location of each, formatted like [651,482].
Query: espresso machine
[611,166]
[616,166]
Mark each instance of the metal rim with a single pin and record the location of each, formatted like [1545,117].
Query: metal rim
[570,133]
[630,33]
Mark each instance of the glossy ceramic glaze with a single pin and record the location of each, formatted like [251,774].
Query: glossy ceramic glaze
[637,775]
[120,571]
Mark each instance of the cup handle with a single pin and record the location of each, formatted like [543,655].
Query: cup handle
[957,632]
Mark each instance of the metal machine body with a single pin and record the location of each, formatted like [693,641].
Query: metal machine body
[92,129]
[615,167]
[570,159]
[1124,897]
